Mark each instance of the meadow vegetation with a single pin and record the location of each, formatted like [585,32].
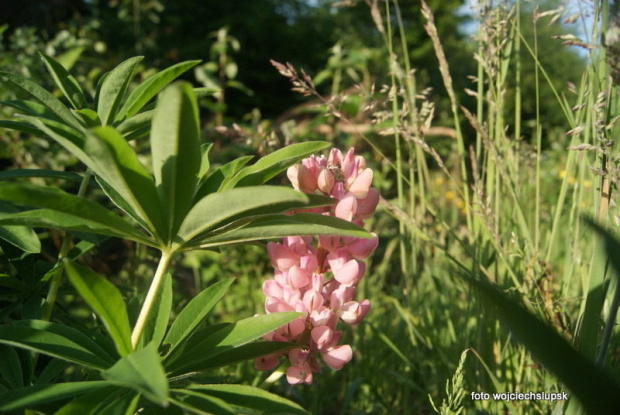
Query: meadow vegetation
[495,156]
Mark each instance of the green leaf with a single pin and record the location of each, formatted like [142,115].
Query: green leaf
[21,127]
[141,371]
[280,226]
[43,96]
[40,394]
[52,344]
[175,147]
[43,173]
[91,215]
[72,334]
[219,176]
[34,109]
[113,87]
[591,385]
[21,236]
[11,367]
[155,328]
[92,403]
[194,313]
[65,82]
[115,162]
[89,117]
[199,403]
[231,336]
[205,164]
[274,163]
[241,354]
[250,397]
[151,87]
[106,301]
[219,209]
[136,124]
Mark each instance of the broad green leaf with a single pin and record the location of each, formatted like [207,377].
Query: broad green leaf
[44,97]
[199,403]
[233,335]
[125,404]
[13,283]
[151,87]
[205,164]
[269,166]
[65,82]
[280,226]
[11,367]
[175,147]
[155,328]
[194,313]
[136,123]
[34,109]
[52,344]
[43,173]
[106,301]
[54,368]
[205,92]
[113,87]
[41,394]
[115,162]
[219,176]
[90,403]
[22,127]
[250,397]
[68,206]
[141,371]
[21,236]
[218,209]
[241,354]
[70,333]
[598,392]
[89,118]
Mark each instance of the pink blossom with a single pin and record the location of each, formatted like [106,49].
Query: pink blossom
[338,356]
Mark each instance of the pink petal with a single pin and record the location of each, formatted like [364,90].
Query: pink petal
[307,179]
[293,173]
[338,356]
[325,181]
[349,274]
[281,257]
[313,300]
[296,375]
[366,206]
[361,248]
[361,184]
[346,207]
[337,258]
[321,336]
[353,312]
[271,288]
[297,277]
[267,362]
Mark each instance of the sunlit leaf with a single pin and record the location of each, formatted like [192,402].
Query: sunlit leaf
[65,82]
[40,394]
[21,236]
[113,87]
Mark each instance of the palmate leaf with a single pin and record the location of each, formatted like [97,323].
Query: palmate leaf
[141,371]
[112,89]
[271,165]
[217,178]
[155,328]
[31,396]
[175,147]
[280,226]
[106,301]
[151,87]
[194,313]
[251,398]
[65,82]
[226,338]
[598,392]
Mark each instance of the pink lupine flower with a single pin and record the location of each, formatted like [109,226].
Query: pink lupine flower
[318,276]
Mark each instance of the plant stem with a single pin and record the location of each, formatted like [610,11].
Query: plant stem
[147,307]
[52,293]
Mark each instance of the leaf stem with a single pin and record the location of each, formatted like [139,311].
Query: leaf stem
[52,293]
[147,307]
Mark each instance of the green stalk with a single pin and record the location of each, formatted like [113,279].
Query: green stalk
[147,307]
[538,148]
[52,293]
[399,174]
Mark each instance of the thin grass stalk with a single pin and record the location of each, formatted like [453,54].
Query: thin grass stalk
[397,147]
[538,144]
